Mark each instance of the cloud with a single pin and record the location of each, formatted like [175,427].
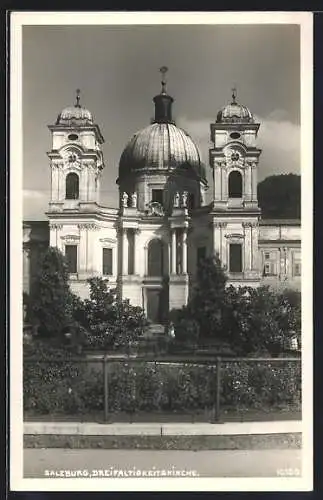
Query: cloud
[280,142]
[278,138]
[35,203]
[33,194]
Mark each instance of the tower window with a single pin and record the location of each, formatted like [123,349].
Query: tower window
[71,257]
[73,137]
[235,184]
[235,258]
[107,262]
[157,195]
[72,186]
[235,135]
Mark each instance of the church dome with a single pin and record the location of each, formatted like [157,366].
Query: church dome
[162,145]
[75,115]
[234,112]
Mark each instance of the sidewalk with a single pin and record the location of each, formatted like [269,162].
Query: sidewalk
[157,429]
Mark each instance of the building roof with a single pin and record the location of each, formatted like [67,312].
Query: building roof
[75,115]
[234,112]
[280,222]
[161,146]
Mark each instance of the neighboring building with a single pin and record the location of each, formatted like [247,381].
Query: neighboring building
[149,247]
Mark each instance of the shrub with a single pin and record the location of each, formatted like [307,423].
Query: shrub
[258,320]
[52,382]
[186,329]
[72,388]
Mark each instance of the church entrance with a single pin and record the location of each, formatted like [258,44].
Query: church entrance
[155,305]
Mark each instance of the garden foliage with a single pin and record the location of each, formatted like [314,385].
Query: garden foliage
[106,321]
[63,386]
[250,320]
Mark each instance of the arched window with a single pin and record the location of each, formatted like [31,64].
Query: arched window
[72,186]
[155,258]
[235,184]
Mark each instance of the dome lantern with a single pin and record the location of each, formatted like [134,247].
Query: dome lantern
[75,115]
[163,102]
[234,112]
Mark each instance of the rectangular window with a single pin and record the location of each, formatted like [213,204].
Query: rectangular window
[235,258]
[157,195]
[270,264]
[297,271]
[267,268]
[270,269]
[71,257]
[201,254]
[107,262]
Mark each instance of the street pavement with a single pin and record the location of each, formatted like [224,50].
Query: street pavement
[57,462]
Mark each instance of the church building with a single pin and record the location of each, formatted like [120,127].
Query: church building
[149,247]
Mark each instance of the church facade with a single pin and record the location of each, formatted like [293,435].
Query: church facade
[149,247]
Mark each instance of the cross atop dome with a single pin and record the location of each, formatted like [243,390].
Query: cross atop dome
[163,71]
[234,94]
[78,95]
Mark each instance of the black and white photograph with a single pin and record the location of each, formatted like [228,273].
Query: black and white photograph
[161,205]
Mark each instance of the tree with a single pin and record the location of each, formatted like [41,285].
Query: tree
[206,303]
[258,320]
[51,298]
[279,196]
[107,321]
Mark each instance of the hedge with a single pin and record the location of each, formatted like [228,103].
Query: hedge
[73,388]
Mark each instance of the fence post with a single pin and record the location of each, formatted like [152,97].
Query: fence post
[216,410]
[106,389]
[218,388]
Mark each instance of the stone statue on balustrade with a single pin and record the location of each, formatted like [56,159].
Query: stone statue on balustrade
[176,200]
[202,197]
[134,199]
[124,199]
[184,199]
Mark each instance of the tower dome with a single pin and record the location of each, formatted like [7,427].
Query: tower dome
[234,112]
[75,115]
[162,146]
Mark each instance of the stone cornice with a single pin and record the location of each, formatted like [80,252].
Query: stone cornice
[88,226]
[70,237]
[54,226]
[79,128]
[234,236]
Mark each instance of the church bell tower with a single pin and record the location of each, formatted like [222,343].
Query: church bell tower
[234,160]
[76,159]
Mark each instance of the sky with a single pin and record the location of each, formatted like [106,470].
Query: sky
[117,70]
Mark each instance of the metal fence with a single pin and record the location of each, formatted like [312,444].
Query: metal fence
[220,365]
